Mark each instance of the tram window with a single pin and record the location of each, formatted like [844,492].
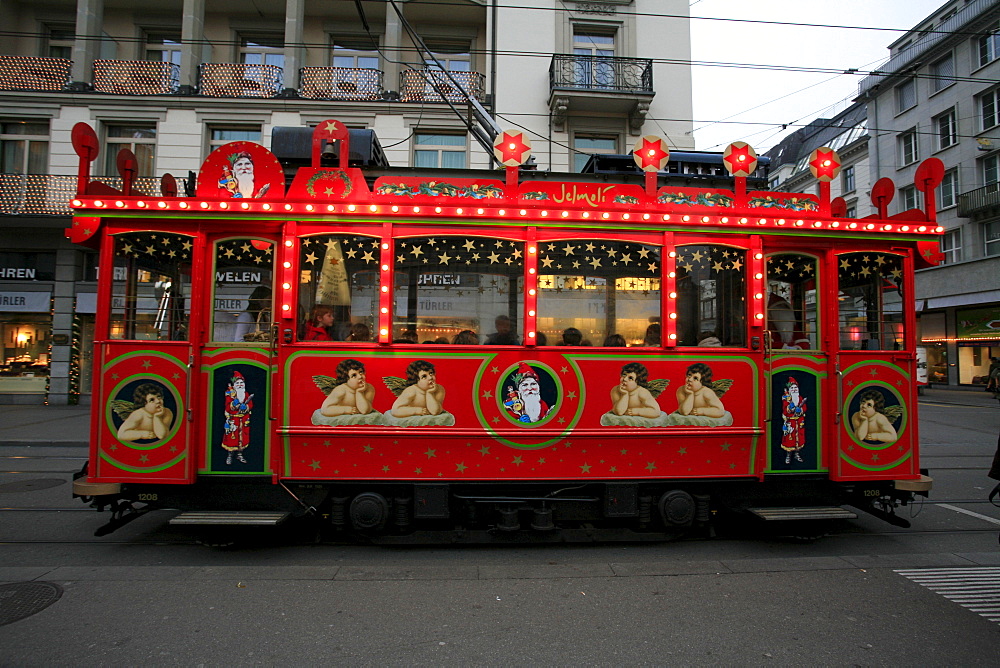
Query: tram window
[711,296]
[791,301]
[243,271]
[151,287]
[461,289]
[871,301]
[591,289]
[338,287]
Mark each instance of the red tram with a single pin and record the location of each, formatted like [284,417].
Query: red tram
[499,356]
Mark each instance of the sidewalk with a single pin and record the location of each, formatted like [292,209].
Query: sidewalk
[69,426]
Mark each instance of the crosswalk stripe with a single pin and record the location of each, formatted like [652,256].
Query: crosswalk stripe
[976,589]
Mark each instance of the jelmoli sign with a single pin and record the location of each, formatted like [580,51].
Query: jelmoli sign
[591,195]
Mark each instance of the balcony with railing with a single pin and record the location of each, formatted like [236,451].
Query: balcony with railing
[239,80]
[136,77]
[980,203]
[341,83]
[431,85]
[600,83]
[49,195]
[34,74]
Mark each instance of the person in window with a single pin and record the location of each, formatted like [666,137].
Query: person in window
[615,341]
[319,324]
[709,340]
[257,317]
[467,337]
[359,332]
[652,337]
[572,337]
[504,336]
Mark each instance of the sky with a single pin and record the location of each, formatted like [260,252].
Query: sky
[753,103]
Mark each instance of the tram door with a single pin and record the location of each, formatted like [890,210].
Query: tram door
[143,360]
[796,365]
[236,357]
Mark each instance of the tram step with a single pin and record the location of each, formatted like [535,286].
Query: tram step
[231,518]
[804,513]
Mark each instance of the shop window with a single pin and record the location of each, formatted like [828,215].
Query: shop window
[151,286]
[439,150]
[792,309]
[711,299]
[25,339]
[871,301]
[598,292]
[27,266]
[24,147]
[140,139]
[461,289]
[242,310]
[338,288]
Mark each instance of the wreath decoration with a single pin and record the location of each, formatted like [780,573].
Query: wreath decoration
[332,174]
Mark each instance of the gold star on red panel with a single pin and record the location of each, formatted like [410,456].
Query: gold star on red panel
[650,153]
[740,159]
[512,148]
[824,163]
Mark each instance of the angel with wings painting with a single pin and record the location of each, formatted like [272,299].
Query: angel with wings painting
[700,395]
[633,399]
[349,397]
[419,398]
[873,422]
[145,418]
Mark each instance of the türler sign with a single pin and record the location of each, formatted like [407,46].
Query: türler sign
[25,302]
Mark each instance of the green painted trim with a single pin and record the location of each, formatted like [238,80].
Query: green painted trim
[213,418]
[142,353]
[889,365]
[865,467]
[150,469]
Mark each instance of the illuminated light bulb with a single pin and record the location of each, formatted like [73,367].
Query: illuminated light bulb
[329,207]
[512,146]
[905,228]
[309,207]
[921,229]
[759,316]
[244,205]
[939,229]
[704,219]
[532,249]
[725,219]
[817,224]
[741,158]
[351,207]
[758,256]
[565,214]
[502,212]
[666,216]
[98,203]
[758,276]
[76,202]
[531,292]
[780,221]
[799,223]
[288,243]
[266,207]
[161,204]
[827,163]
[673,316]
[759,295]
[416,209]
[870,226]
[645,216]
[119,203]
[142,205]
[437,209]
[605,215]
[384,309]
[651,153]
[223,205]
[672,254]
[673,295]
[385,246]
[672,274]
[479,211]
[385,288]
[395,209]
[853,226]
[288,207]
[523,212]
[835,224]
[626,216]
[545,214]
[459,212]
[531,313]
[286,286]
[672,337]
[685,218]
[286,307]
[887,228]
[182,205]
[287,265]
[531,270]
[383,332]
[586,214]
[385,267]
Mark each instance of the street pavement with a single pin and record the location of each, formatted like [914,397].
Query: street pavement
[69,426]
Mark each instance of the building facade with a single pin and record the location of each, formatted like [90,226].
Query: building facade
[173,82]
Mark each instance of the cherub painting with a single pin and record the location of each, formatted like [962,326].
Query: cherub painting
[873,423]
[419,398]
[633,400]
[349,397]
[144,419]
[699,399]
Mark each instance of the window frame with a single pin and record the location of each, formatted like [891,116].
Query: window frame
[251,44]
[990,98]
[439,149]
[941,81]
[901,93]
[169,42]
[990,43]
[991,247]
[953,252]
[576,153]
[848,179]
[908,147]
[114,144]
[946,128]
[949,184]
[909,198]
[27,140]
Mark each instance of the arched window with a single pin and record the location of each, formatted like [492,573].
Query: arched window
[871,301]
[792,301]
[338,287]
[151,286]
[711,296]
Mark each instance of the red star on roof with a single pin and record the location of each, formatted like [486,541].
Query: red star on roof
[825,164]
[511,148]
[740,159]
[650,154]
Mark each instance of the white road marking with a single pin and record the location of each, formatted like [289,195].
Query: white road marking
[991,520]
[945,581]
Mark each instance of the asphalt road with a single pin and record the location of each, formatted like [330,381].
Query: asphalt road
[868,594]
